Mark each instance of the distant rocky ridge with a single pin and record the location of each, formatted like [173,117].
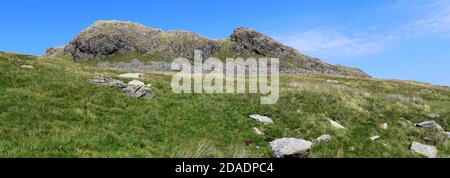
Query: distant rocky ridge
[111,38]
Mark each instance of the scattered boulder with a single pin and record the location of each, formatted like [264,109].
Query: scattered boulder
[262,119]
[136,83]
[375,137]
[132,89]
[258,131]
[383,126]
[336,125]
[109,82]
[424,150]
[131,75]
[431,125]
[324,138]
[448,134]
[27,66]
[290,147]
[139,91]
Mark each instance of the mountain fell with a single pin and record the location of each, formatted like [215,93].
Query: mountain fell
[104,39]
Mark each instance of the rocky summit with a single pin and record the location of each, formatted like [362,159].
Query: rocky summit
[104,39]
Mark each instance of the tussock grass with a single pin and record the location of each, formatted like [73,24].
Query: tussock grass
[52,111]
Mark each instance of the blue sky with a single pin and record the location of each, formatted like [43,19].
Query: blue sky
[394,39]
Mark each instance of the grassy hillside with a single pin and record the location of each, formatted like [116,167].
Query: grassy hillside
[52,111]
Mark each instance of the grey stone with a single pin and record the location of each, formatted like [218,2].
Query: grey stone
[431,125]
[136,83]
[375,137]
[433,115]
[132,89]
[290,147]
[258,131]
[424,150]
[262,119]
[109,82]
[131,75]
[27,66]
[324,138]
[116,84]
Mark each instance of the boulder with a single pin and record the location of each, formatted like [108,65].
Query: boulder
[109,82]
[431,125]
[131,75]
[262,119]
[290,147]
[136,83]
[324,138]
[134,89]
[424,150]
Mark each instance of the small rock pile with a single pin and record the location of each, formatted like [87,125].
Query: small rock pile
[134,88]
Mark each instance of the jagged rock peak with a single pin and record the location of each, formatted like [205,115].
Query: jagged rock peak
[108,38]
[261,44]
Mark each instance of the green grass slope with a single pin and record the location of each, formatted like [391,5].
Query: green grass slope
[52,111]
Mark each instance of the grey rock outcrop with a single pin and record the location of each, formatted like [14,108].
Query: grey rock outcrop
[111,38]
[290,147]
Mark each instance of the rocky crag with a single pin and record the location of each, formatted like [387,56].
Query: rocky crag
[105,39]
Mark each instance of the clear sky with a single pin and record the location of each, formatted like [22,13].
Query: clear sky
[394,39]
